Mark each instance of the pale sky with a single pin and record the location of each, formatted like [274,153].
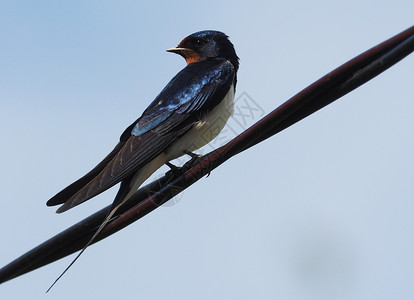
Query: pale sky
[322,210]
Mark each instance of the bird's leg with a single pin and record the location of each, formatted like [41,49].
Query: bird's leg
[194,159]
[172,167]
[177,171]
[193,155]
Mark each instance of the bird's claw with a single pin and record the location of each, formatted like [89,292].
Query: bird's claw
[193,155]
[177,171]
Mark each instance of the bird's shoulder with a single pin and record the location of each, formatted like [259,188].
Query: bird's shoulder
[194,88]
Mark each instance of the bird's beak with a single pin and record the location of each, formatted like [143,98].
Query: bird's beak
[189,55]
[177,50]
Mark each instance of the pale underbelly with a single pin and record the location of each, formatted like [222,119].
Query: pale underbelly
[204,131]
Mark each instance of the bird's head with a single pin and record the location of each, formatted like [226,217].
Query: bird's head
[204,45]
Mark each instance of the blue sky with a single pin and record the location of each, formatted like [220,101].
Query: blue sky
[323,210]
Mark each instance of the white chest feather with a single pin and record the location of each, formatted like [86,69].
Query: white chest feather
[201,134]
[204,131]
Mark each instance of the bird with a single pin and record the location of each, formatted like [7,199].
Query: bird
[187,114]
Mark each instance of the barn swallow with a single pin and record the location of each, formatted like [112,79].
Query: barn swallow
[181,119]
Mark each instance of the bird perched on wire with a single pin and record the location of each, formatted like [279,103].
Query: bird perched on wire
[188,113]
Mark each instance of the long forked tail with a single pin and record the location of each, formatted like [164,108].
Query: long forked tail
[127,188]
[88,243]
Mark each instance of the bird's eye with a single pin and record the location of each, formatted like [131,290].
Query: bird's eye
[199,42]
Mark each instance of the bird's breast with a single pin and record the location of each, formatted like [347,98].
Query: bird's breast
[205,130]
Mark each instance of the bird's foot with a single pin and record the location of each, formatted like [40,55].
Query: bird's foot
[193,155]
[171,166]
[177,171]
[194,159]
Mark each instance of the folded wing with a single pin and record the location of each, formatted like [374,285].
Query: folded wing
[190,94]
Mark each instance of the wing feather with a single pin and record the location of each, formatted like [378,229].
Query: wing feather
[169,117]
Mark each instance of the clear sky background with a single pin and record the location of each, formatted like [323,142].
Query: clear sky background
[323,210]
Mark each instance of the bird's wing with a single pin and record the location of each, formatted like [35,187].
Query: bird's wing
[73,188]
[190,94]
